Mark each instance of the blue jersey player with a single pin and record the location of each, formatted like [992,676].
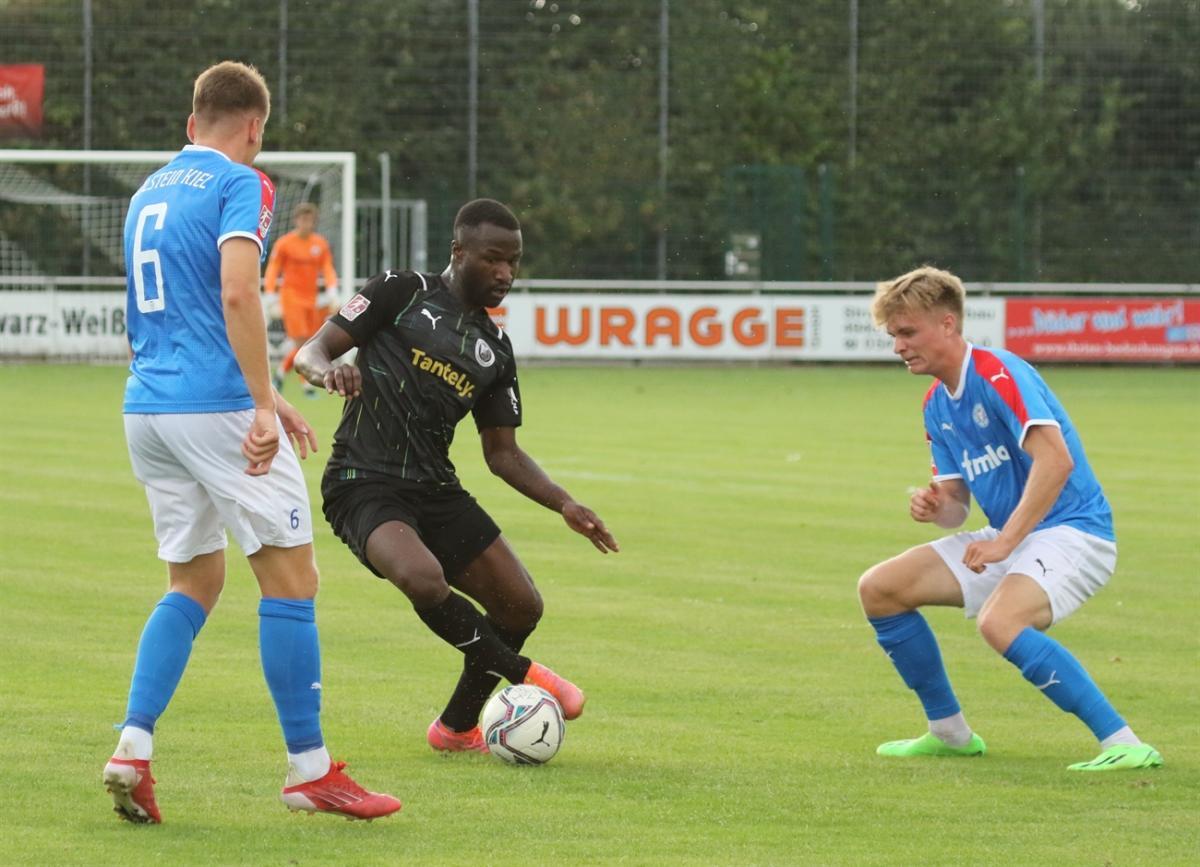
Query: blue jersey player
[998,434]
[202,423]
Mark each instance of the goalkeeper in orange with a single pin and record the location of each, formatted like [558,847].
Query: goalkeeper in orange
[299,257]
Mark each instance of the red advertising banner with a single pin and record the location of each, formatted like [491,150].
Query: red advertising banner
[1104,329]
[22,87]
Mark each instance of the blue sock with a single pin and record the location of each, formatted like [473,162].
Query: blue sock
[162,655]
[291,660]
[1051,668]
[910,644]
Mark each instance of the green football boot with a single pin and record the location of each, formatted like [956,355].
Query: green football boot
[1122,757]
[929,744]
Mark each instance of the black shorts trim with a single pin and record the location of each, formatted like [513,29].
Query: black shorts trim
[448,520]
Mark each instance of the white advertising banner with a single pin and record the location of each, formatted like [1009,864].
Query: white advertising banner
[63,324]
[713,327]
[559,326]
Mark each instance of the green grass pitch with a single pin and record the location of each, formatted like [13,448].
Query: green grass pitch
[735,693]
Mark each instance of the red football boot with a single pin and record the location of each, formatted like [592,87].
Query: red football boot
[337,793]
[442,737]
[132,789]
[569,696]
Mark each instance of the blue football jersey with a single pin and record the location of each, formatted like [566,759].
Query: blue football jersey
[976,435]
[177,221]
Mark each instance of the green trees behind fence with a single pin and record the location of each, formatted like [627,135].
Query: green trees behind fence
[1052,140]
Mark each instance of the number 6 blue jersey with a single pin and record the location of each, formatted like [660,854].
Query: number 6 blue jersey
[177,221]
[976,435]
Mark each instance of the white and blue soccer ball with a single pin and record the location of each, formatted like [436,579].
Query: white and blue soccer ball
[523,725]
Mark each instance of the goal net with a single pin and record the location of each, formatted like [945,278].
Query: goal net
[62,219]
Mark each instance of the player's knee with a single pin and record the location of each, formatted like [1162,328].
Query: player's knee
[519,613]
[423,585]
[876,591]
[997,628]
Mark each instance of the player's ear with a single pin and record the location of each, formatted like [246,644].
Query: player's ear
[256,129]
[191,128]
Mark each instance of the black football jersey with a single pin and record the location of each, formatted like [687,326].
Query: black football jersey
[426,361]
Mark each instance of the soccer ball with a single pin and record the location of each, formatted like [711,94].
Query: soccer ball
[523,725]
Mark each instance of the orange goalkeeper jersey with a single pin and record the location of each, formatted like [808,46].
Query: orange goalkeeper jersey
[299,261]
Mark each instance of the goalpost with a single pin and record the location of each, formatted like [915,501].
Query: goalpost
[62,219]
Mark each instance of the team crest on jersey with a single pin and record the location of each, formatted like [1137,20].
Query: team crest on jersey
[353,308]
[979,414]
[483,353]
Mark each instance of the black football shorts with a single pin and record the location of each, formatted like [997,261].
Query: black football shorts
[451,524]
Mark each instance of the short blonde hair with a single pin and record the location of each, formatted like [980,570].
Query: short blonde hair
[230,88]
[305,208]
[924,290]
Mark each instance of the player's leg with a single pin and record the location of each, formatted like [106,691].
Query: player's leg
[498,581]
[271,520]
[291,659]
[295,326]
[1054,572]
[891,592]
[396,551]
[190,539]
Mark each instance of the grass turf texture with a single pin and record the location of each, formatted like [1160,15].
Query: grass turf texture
[736,695]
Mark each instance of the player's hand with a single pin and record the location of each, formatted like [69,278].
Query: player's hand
[979,554]
[298,430]
[924,504]
[272,306]
[344,379]
[262,442]
[584,521]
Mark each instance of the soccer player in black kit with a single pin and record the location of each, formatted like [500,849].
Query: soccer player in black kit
[428,353]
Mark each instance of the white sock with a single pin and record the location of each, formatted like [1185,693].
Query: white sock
[951,729]
[135,743]
[1122,735]
[308,766]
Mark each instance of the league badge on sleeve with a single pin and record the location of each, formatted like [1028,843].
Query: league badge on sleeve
[353,308]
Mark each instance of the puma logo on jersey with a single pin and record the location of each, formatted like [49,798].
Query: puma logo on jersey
[947,426]
[984,463]
[388,275]
[448,373]
[1000,375]
[433,320]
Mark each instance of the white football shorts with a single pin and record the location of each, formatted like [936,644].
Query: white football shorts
[193,470]
[1070,565]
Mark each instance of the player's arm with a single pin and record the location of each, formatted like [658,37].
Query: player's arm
[315,361]
[946,503]
[247,332]
[331,279]
[509,461]
[1052,466]
[274,265]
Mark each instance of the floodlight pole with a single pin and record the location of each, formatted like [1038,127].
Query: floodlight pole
[85,209]
[472,96]
[664,92]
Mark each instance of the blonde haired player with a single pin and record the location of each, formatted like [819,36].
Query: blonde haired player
[998,434]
